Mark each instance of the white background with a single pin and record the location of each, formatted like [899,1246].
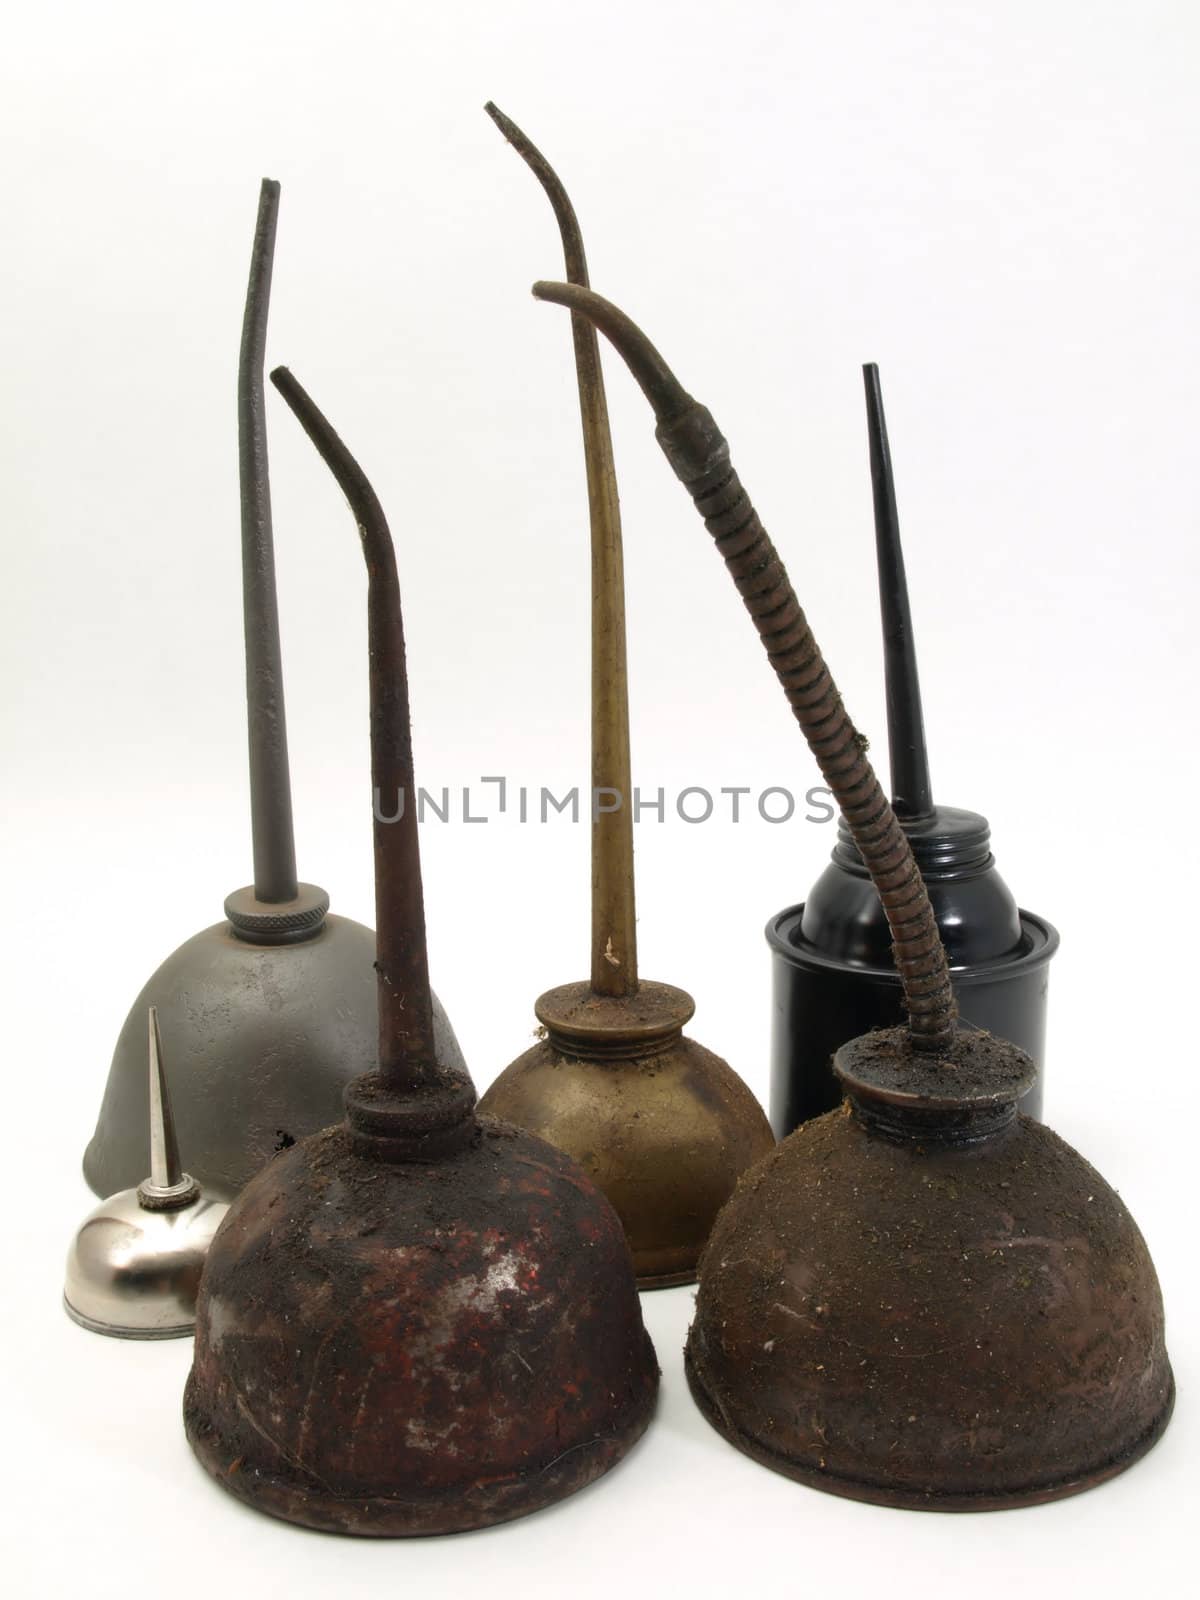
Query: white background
[997,204]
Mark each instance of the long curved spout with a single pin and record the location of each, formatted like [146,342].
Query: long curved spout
[699,454]
[407,1058]
[667,396]
[270,783]
[614,914]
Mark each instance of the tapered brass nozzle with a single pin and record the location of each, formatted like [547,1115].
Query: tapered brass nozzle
[662,1124]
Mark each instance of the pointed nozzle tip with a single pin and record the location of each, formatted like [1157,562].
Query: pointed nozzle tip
[876,422]
[577,297]
[268,211]
[299,401]
[168,1187]
[506,125]
[287,385]
[656,380]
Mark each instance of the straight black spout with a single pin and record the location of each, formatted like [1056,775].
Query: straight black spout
[912,795]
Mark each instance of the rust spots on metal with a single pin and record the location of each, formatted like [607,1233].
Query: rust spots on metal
[388,1349]
[932,1305]
[418,1321]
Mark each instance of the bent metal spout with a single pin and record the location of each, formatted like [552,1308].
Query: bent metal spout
[867,1319]
[664,1126]
[271,1011]
[395,1308]
[700,456]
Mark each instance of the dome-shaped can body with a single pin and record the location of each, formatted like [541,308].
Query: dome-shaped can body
[957,1325]
[663,1126]
[134,1273]
[666,1140]
[265,1038]
[480,1348]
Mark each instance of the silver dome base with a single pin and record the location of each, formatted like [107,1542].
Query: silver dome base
[133,1273]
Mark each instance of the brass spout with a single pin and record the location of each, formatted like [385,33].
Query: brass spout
[614,916]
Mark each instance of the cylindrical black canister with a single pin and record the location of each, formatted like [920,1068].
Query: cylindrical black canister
[833,976]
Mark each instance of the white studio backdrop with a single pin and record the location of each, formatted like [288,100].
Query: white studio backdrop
[996,204]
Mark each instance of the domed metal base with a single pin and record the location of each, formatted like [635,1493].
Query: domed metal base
[662,1125]
[402,1348]
[930,1302]
[182,1330]
[133,1273]
[264,1040]
[880,1494]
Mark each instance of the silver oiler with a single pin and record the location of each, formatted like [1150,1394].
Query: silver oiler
[134,1265]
